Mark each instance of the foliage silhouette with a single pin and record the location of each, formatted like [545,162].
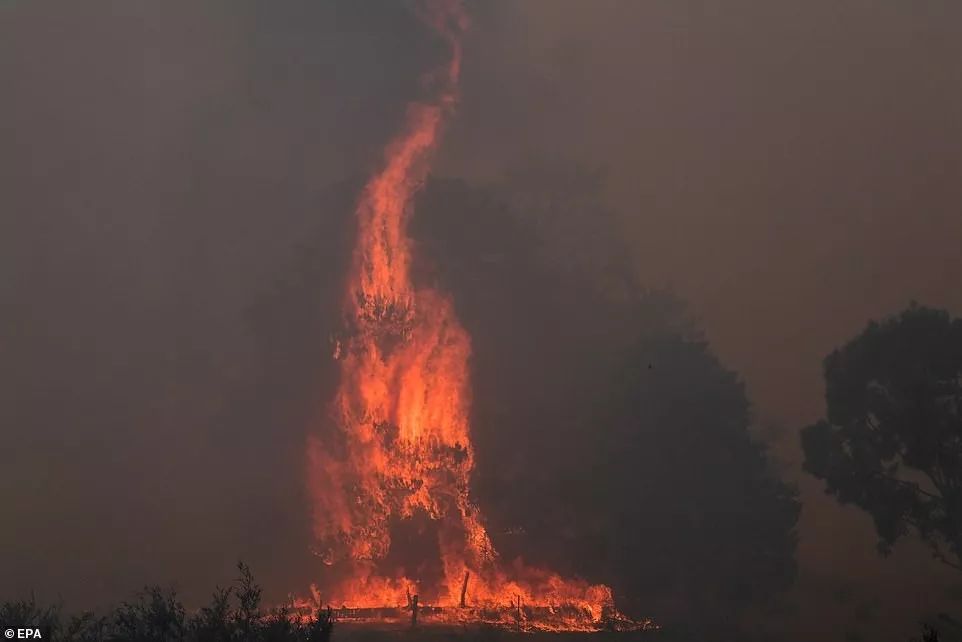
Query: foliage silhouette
[891,441]
[157,615]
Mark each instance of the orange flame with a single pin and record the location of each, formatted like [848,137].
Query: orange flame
[403,442]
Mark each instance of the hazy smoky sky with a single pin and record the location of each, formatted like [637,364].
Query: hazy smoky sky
[789,168]
[792,169]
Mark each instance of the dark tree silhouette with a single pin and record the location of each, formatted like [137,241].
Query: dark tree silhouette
[668,498]
[929,634]
[612,444]
[891,441]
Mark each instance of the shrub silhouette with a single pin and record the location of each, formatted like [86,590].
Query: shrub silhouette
[156,614]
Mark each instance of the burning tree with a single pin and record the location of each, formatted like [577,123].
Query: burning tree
[403,447]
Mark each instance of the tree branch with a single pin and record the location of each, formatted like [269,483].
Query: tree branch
[939,555]
[913,485]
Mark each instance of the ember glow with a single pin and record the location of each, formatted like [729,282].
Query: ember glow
[402,446]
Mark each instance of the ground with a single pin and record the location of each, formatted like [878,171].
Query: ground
[345,632]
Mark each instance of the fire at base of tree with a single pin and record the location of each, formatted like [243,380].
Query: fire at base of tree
[237,612]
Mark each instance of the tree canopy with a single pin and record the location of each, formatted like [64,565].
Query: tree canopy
[891,440]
